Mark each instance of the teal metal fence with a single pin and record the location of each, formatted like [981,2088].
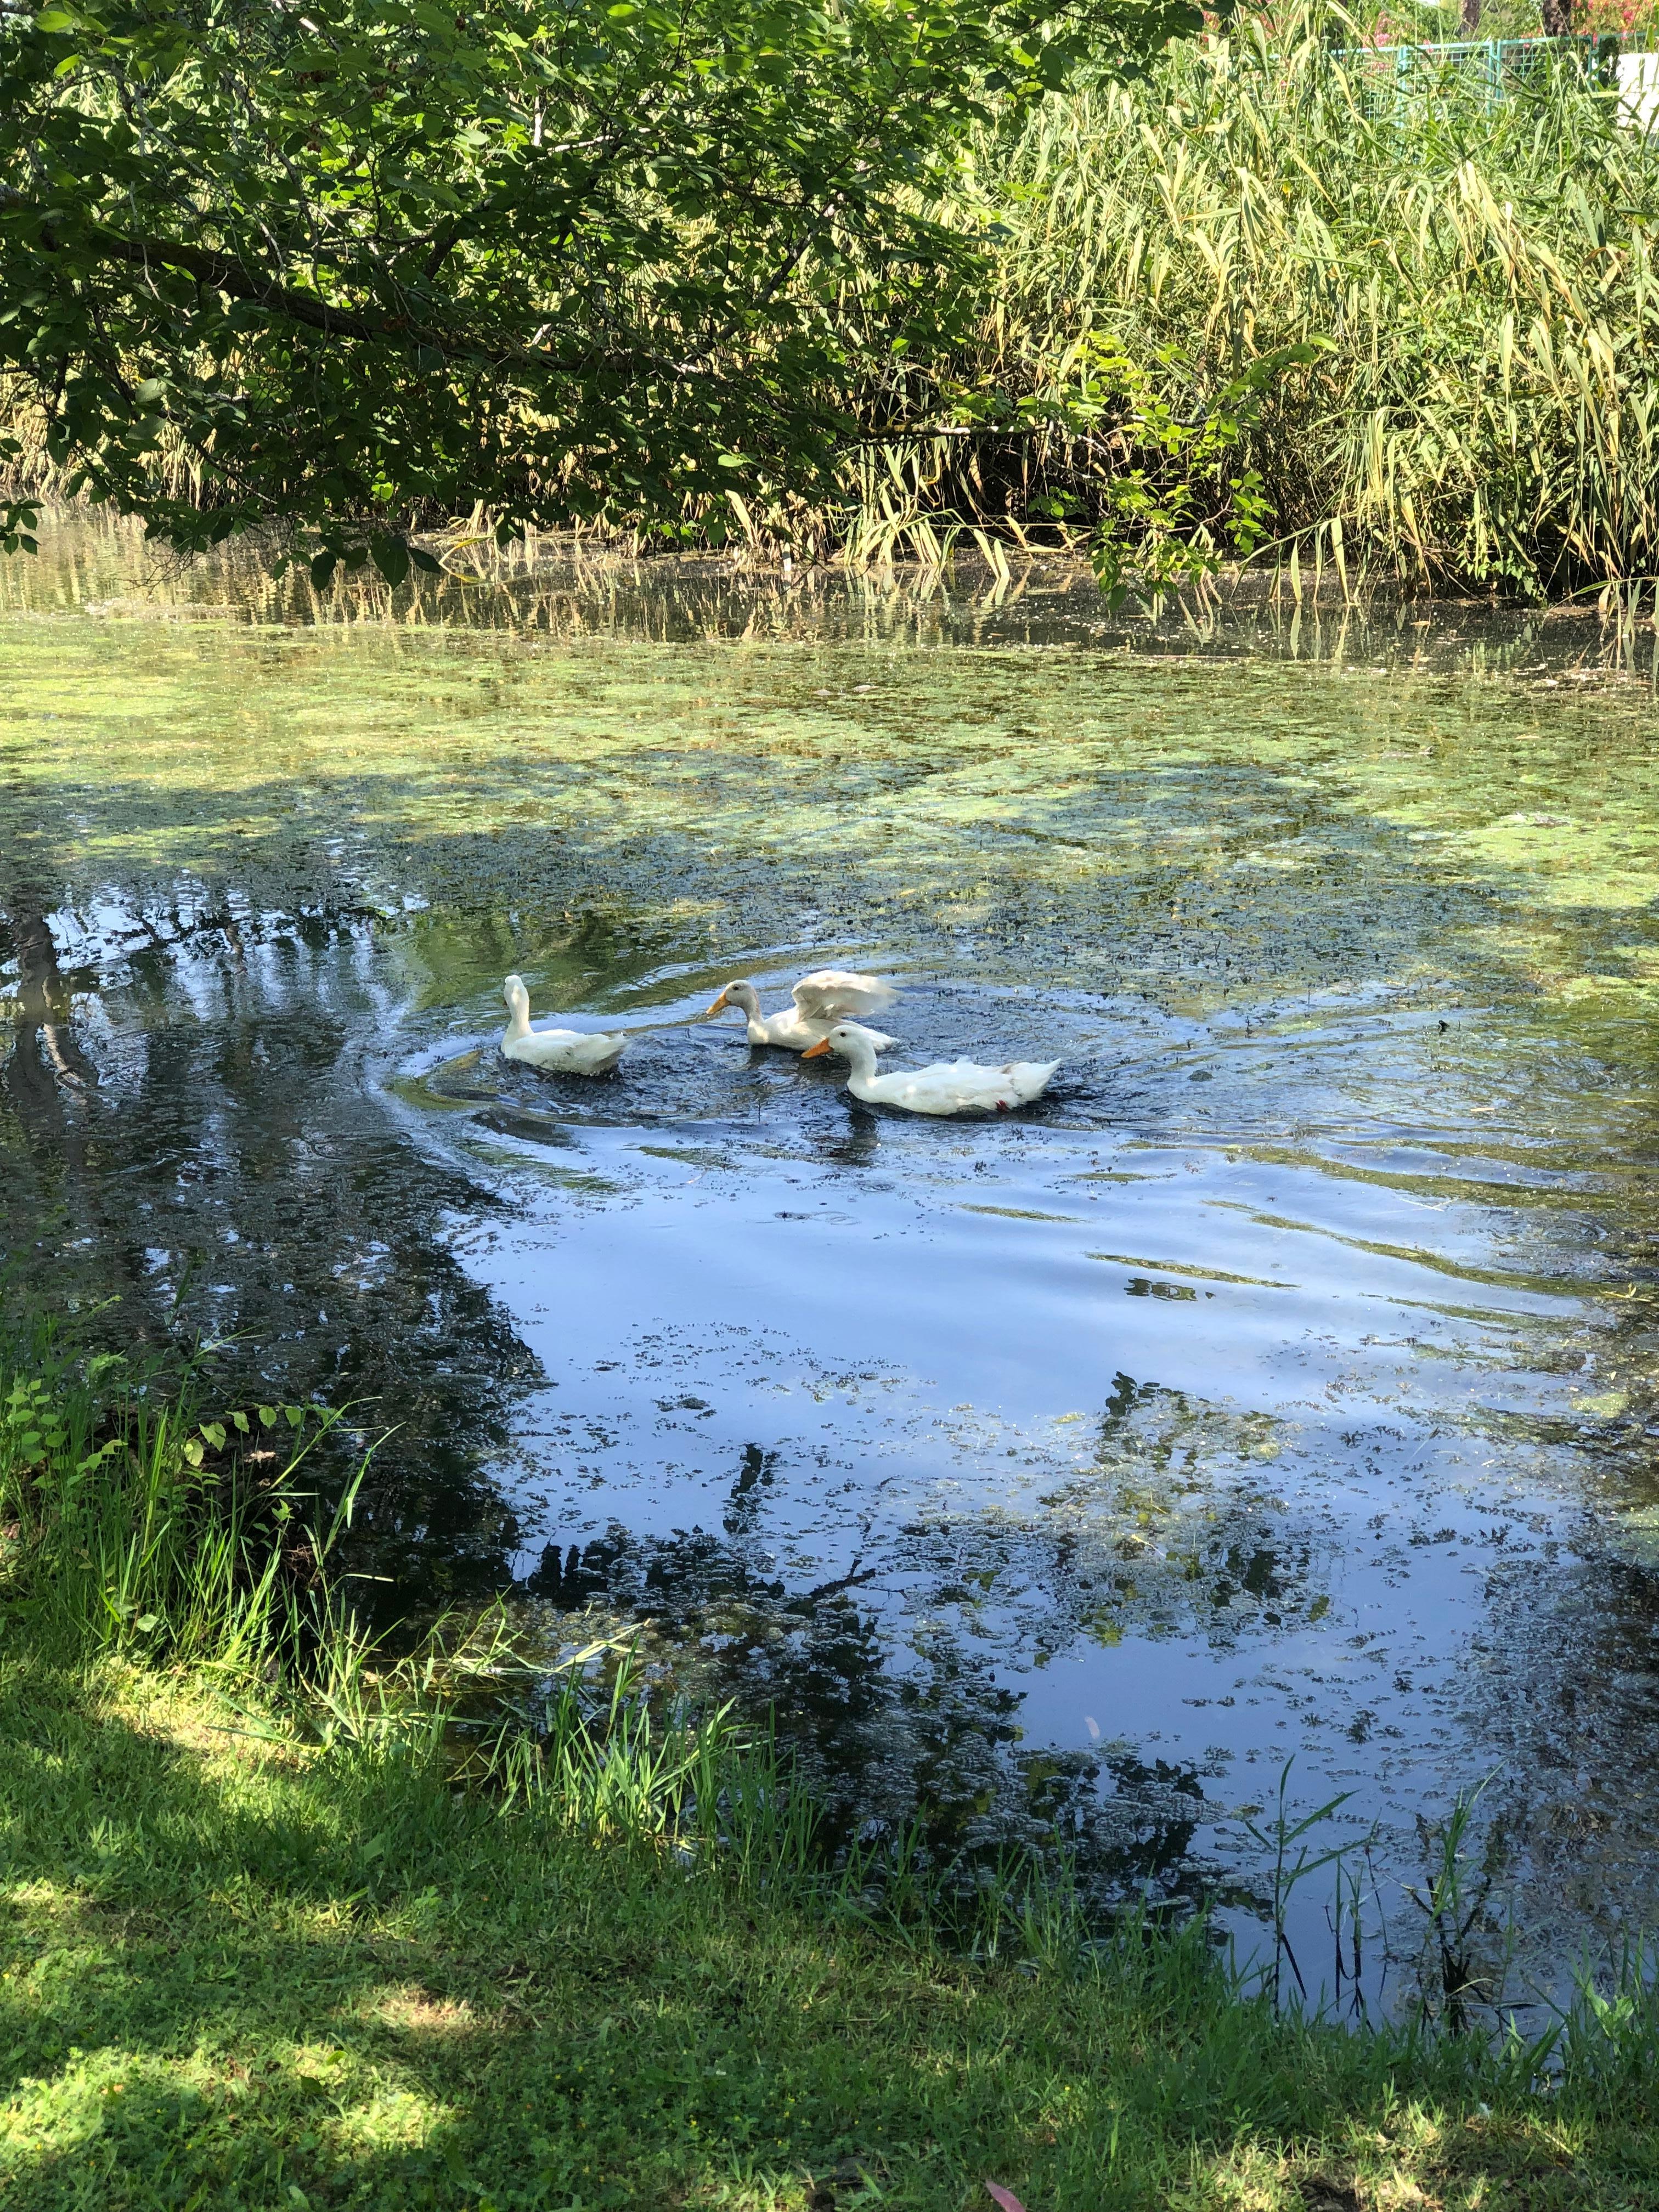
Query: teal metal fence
[1499,67]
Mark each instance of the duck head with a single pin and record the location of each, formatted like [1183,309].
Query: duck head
[518,1006]
[740,995]
[852,1041]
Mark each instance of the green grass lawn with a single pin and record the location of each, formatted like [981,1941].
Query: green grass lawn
[239,1973]
[275,1933]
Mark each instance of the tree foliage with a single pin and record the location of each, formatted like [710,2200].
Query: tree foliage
[381,258]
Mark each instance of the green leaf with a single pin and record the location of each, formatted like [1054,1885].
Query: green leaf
[391,557]
[485,313]
[322,569]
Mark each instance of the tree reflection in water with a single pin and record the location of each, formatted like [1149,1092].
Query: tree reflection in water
[932,1748]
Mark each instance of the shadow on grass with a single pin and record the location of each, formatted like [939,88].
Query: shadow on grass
[236,1973]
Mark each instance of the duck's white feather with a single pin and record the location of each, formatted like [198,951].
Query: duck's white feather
[831,995]
[556,1052]
[948,1086]
[794,1027]
[567,1051]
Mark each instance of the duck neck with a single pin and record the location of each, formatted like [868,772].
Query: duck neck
[861,1064]
[748,1004]
[517,1018]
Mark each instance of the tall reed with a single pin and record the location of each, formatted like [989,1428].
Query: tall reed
[1469,281]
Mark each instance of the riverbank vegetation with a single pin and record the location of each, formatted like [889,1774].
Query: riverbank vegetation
[1268,297]
[1424,314]
[345,269]
[286,1922]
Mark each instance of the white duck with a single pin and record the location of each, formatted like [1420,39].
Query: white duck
[555,1051]
[949,1086]
[825,997]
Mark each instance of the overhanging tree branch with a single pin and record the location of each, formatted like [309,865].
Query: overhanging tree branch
[676,245]
[227,275]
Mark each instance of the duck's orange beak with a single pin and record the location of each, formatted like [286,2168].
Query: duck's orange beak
[816,1051]
[719,1007]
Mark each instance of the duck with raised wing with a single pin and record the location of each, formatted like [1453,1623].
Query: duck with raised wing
[949,1086]
[555,1051]
[825,997]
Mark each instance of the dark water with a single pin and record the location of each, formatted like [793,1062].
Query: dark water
[1279,1386]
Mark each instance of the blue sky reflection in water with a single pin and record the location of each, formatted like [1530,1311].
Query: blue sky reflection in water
[1280,1385]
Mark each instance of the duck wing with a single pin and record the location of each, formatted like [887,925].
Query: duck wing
[541,1048]
[948,1086]
[572,1052]
[832,994]
[1032,1078]
[599,1052]
[962,1086]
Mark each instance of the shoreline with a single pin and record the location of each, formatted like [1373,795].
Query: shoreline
[278,1933]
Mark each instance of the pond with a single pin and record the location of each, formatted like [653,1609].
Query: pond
[1277,1387]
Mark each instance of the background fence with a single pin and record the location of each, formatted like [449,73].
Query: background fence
[1626,61]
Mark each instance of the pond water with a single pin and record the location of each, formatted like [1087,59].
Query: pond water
[1279,1386]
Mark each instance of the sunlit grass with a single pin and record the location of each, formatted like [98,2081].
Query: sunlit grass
[287,1921]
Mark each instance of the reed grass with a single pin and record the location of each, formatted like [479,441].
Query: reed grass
[1461,290]
[1279,304]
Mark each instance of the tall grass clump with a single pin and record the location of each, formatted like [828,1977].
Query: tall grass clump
[132,1528]
[127,1522]
[1412,327]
